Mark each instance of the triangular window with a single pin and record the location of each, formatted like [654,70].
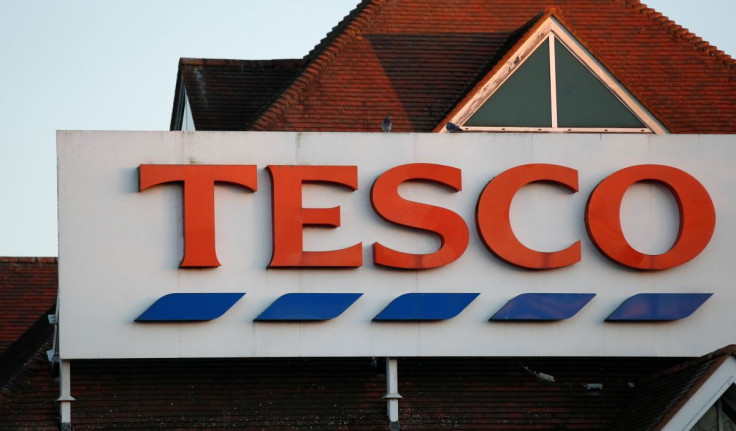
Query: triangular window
[552,84]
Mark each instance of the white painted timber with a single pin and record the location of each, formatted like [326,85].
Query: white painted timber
[707,395]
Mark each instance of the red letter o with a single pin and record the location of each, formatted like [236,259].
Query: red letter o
[697,217]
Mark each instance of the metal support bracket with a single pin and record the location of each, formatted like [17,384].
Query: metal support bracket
[392,396]
[53,354]
[65,396]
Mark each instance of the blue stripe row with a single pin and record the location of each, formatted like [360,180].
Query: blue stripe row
[423,307]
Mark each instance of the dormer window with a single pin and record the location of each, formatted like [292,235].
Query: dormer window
[552,84]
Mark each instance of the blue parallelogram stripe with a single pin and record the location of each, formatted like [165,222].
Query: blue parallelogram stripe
[189,307]
[658,307]
[308,307]
[425,306]
[536,307]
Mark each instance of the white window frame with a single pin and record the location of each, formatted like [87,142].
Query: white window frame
[548,31]
[187,123]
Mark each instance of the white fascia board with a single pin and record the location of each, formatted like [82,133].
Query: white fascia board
[708,394]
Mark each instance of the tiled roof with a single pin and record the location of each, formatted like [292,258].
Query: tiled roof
[230,94]
[415,60]
[28,398]
[438,393]
[331,394]
[504,394]
[27,293]
[661,395]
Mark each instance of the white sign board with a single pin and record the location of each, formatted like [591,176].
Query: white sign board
[120,249]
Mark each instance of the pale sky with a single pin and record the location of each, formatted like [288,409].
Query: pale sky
[111,65]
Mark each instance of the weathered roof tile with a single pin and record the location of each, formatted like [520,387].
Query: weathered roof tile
[27,291]
[230,94]
[415,60]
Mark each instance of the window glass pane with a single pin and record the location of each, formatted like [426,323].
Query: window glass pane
[709,421]
[583,100]
[729,415]
[523,100]
[728,424]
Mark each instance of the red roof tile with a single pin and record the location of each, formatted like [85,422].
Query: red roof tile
[28,399]
[660,396]
[230,94]
[501,394]
[27,292]
[329,394]
[415,60]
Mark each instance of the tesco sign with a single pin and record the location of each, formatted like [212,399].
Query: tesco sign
[331,244]
[602,214]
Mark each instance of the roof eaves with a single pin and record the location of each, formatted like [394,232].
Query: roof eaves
[279,62]
[678,31]
[30,259]
[660,396]
[717,357]
[177,107]
[318,60]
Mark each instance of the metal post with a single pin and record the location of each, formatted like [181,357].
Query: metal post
[65,395]
[392,393]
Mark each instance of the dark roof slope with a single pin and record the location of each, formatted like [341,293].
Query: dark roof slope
[505,394]
[660,396]
[28,397]
[331,394]
[27,292]
[415,60]
[229,94]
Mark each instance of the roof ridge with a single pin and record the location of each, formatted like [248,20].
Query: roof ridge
[28,259]
[189,61]
[318,59]
[680,32]
[336,30]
